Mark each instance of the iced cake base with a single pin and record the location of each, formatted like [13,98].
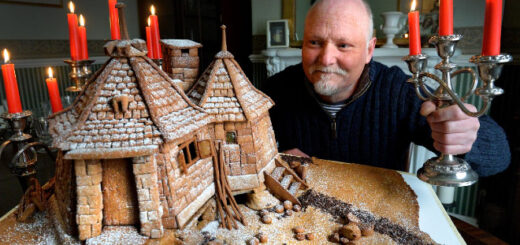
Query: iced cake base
[377,196]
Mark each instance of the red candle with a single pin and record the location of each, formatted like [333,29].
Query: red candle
[154,29]
[492,28]
[14,104]
[414,30]
[54,93]
[73,33]
[149,41]
[114,20]
[446,18]
[82,32]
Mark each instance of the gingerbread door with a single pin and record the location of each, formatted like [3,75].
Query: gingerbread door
[119,193]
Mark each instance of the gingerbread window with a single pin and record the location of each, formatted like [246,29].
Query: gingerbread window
[188,154]
[231,137]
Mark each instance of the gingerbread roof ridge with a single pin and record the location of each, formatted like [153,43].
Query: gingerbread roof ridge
[171,110]
[235,80]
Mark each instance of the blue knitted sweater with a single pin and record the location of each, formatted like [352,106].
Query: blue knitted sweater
[375,128]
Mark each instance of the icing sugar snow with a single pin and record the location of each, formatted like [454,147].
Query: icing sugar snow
[39,231]
[118,235]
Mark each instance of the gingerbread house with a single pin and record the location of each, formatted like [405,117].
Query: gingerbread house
[135,150]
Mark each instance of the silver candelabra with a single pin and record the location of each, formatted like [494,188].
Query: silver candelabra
[79,74]
[23,163]
[447,169]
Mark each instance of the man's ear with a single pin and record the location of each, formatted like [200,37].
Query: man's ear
[371,45]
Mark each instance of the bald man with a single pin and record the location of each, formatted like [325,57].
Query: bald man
[341,105]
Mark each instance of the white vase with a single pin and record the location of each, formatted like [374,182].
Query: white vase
[391,27]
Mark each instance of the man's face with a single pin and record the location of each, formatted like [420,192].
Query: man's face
[335,50]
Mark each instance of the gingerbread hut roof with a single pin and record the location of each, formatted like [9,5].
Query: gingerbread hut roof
[224,91]
[157,111]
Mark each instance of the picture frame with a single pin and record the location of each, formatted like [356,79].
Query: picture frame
[278,33]
[43,3]
[424,6]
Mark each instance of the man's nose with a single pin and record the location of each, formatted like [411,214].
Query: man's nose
[328,55]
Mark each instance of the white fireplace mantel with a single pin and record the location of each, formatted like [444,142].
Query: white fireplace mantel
[278,59]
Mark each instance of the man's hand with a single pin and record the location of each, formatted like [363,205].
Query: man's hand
[296,152]
[453,131]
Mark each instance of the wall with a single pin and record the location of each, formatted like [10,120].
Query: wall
[467,13]
[29,22]
[262,11]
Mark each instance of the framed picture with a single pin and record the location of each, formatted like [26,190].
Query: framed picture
[424,6]
[277,33]
[44,3]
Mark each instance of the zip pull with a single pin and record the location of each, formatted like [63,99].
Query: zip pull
[334,132]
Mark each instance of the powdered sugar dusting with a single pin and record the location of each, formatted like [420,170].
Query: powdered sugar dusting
[39,231]
[118,235]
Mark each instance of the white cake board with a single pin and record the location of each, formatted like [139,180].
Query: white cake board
[433,219]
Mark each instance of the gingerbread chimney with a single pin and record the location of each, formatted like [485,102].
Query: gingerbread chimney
[181,61]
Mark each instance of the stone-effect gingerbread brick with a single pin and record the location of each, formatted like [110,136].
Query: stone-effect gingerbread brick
[150,211]
[89,215]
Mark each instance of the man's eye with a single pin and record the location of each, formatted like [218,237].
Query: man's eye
[313,42]
[343,45]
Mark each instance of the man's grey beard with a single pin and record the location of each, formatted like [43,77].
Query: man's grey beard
[324,86]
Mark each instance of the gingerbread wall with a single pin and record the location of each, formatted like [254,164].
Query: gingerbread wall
[89,214]
[181,194]
[240,157]
[265,141]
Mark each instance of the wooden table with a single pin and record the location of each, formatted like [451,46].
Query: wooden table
[474,235]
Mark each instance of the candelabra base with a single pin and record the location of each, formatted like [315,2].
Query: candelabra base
[447,171]
[74,88]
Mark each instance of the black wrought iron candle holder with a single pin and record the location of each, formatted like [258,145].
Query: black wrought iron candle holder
[80,72]
[23,163]
[447,169]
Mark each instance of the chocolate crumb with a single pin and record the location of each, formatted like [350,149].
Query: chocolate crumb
[338,209]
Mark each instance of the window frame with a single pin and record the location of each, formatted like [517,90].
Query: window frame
[185,153]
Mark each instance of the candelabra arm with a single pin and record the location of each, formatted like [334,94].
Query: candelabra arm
[474,81]
[2,147]
[419,93]
[30,146]
[424,88]
[456,99]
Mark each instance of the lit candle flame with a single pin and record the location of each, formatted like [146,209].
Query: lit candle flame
[49,71]
[406,35]
[148,21]
[71,7]
[414,4]
[152,9]
[6,55]
[81,20]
